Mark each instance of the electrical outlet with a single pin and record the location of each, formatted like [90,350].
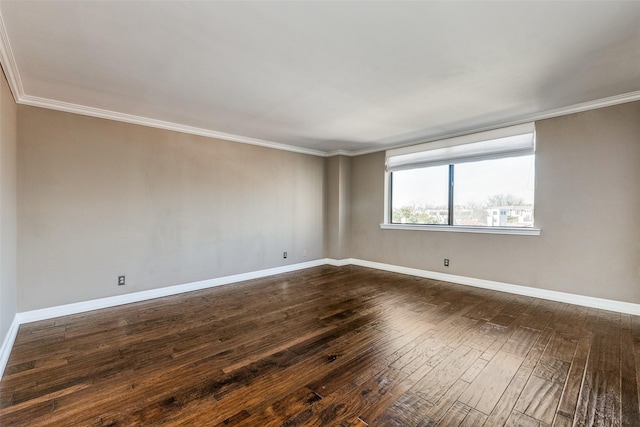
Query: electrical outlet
[284,254]
[120,280]
[304,252]
[446,262]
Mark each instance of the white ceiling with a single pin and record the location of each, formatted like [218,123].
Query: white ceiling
[321,76]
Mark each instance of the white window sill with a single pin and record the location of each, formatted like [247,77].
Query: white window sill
[521,231]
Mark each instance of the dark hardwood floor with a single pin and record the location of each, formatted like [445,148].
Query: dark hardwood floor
[328,346]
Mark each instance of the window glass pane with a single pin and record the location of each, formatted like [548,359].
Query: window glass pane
[420,196]
[495,193]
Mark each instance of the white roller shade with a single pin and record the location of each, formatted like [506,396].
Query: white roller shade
[506,142]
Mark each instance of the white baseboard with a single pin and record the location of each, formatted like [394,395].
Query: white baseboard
[64,310]
[96,304]
[601,303]
[7,344]
[339,262]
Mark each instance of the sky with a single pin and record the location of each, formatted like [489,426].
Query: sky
[474,182]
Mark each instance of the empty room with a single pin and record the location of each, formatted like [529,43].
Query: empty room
[319,213]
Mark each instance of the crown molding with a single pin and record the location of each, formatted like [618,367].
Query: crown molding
[160,124]
[548,114]
[339,153]
[144,121]
[10,67]
[9,63]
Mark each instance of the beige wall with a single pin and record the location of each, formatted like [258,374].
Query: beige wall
[338,206]
[99,198]
[8,227]
[587,204]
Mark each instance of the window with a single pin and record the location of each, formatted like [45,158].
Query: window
[420,196]
[484,180]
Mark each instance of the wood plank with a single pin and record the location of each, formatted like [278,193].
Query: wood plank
[437,410]
[501,340]
[563,421]
[408,410]
[485,391]
[392,391]
[538,349]
[455,415]
[436,383]
[473,419]
[328,345]
[475,369]
[281,411]
[521,341]
[599,402]
[552,369]
[569,400]
[629,386]
[369,399]
[635,333]
[539,399]
[518,419]
[507,401]
[483,336]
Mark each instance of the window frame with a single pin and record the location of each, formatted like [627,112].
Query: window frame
[388,188]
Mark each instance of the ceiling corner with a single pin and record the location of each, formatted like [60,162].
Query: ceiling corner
[9,63]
